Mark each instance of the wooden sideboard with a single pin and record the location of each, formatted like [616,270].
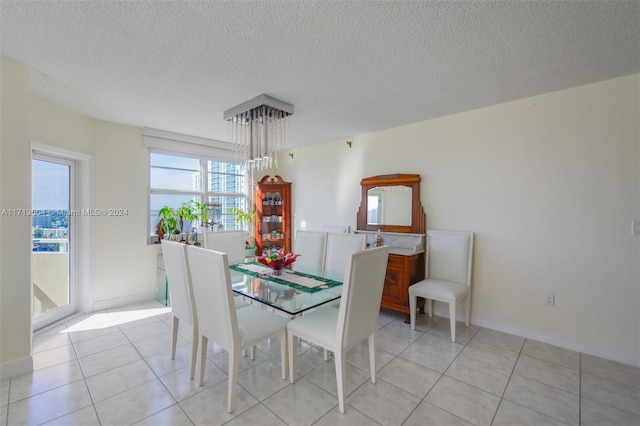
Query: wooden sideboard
[402,271]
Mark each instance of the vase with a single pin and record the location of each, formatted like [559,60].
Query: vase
[277,272]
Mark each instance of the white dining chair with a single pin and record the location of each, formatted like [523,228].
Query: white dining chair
[311,246]
[336,229]
[176,265]
[339,330]
[449,266]
[233,330]
[229,242]
[340,247]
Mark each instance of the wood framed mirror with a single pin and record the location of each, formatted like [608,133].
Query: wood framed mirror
[391,203]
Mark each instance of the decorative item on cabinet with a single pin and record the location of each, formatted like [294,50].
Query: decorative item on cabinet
[272,203]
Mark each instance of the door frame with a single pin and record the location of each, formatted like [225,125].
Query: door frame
[83,253]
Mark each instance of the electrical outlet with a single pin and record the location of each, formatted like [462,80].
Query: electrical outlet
[635,228]
[549,299]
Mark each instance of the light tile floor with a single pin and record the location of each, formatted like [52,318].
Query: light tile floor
[114,368]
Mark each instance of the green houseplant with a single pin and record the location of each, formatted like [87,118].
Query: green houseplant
[168,220]
[244,219]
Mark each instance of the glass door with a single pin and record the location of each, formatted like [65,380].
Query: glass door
[53,218]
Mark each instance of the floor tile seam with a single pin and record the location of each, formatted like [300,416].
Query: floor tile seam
[266,397]
[610,406]
[540,412]
[101,353]
[137,340]
[509,370]
[433,347]
[496,346]
[205,386]
[513,368]
[58,387]
[577,395]
[608,379]
[501,347]
[416,364]
[395,386]
[114,367]
[424,401]
[551,362]
[127,390]
[120,392]
[347,406]
[473,386]
[74,342]
[51,348]
[535,411]
[176,404]
[139,420]
[66,414]
[42,392]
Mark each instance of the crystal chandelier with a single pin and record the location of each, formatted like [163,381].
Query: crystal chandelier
[259,130]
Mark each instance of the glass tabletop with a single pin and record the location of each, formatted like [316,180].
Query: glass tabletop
[293,292]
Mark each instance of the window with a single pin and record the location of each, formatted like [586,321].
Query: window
[178,178]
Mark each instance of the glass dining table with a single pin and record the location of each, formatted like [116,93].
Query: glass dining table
[292,293]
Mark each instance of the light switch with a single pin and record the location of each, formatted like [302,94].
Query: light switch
[635,228]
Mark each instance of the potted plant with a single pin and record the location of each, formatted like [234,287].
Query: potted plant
[244,219]
[168,220]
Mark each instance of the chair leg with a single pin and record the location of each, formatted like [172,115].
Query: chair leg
[194,350]
[467,310]
[413,301]
[234,366]
[293,349]
[283,354]
[174,336]
[253,353]
[373,356]
[203,358]
[452,320]
[340,367]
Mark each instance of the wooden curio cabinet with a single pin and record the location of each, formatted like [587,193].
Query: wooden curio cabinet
[272,228]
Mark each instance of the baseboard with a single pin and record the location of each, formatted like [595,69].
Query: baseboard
[566,342]
[117,302]
[16,368]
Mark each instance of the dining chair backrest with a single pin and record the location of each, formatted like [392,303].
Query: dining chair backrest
[311,246]
[361,295]
[340,247]
[176,265]
[336,229]
[213,296]
[449,256]
[229,242]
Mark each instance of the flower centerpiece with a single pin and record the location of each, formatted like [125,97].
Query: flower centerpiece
[277,260]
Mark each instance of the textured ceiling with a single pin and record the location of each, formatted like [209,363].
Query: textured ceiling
[349,67]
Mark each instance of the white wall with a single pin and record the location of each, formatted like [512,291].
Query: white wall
[549,184]
[15,246]
[125,264]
